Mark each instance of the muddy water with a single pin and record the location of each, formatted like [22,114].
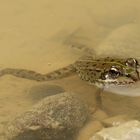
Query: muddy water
[46,35]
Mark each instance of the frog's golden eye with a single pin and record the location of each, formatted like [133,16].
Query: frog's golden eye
[114,73]
[111,74]
[132,62]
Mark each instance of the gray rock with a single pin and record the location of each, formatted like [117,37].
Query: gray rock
[54,118]
[126,131]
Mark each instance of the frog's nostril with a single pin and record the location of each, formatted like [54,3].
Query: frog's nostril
[132,62]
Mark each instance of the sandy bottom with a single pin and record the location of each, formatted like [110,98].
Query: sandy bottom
[46,35]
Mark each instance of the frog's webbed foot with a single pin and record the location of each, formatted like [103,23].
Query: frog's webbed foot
[78,41]
[84,49]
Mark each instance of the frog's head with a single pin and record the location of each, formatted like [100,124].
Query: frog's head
[120,72]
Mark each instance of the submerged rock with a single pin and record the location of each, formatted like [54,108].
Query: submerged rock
[116,120]
[54,118]
[126,131]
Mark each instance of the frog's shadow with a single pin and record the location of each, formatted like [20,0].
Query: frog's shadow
[36,93]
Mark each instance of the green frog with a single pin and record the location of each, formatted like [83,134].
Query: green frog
[108,73]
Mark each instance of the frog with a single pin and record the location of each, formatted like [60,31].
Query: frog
[107,73]
[118,75]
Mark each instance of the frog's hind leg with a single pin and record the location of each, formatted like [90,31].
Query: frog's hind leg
[32,75]
[86,51]
[79,41]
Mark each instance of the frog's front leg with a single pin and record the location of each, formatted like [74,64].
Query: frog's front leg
[99,98]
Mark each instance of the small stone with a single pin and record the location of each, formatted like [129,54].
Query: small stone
[126,131]
[99,115]
[116,120]
[49,64]
[89,129]
[53,118]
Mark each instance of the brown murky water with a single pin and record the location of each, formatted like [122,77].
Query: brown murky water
[38,35]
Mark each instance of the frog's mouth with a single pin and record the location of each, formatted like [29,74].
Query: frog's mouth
[128,86]
[132,90]
[121,81]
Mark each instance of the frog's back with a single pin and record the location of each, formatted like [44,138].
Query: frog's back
[90,69]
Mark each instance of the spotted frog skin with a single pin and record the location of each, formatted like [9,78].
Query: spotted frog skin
[109,71]
[101,72]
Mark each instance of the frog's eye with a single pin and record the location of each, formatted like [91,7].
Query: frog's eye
[111,74]
[114,73]
[131,62]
